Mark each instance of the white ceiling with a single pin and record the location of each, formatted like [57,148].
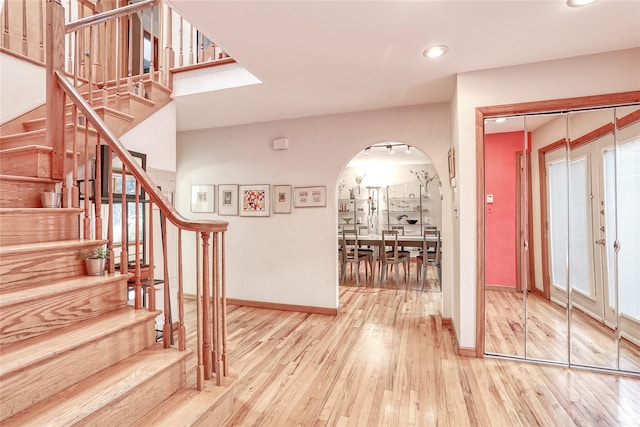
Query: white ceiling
[326,57]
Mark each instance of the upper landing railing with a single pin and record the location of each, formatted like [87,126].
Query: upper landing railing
[160,39]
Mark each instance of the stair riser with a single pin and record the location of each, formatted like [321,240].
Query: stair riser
[46,226]
[39,268]
[32,163]
[147,396]
[32,318]
[32,384]
[19,194]
[210,406]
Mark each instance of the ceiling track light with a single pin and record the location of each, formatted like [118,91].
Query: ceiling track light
[391,148]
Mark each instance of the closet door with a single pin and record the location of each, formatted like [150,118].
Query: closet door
[593,338]
[621,186]
[505,210]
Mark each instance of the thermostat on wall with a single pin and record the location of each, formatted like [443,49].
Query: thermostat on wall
[489,198]
[281,144]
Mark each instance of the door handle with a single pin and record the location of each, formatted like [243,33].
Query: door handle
[600,242]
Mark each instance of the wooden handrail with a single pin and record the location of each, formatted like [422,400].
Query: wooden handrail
[25,38]
[145,181]
[108,15]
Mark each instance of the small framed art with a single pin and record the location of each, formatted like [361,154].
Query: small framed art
[310,197]
[254,200]
[227,199]
[281,199]
[202,198]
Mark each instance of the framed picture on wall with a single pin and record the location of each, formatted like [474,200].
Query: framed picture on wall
[281,199]
[202,198]
[228,199]
[254,200]
[310,197]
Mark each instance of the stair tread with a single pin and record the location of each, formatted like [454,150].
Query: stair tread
[81,400]
[4,177]
[45,246]
[98,108]
[43,132]
[18,295]
[61,211]
[26,148]
[37,349]
[36,147]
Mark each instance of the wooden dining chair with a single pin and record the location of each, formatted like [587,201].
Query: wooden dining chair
[429,255]
[392,256]
[353,256]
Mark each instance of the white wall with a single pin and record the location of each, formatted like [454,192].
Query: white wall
[22,86]
[610,72]
[291,258]
[155,137]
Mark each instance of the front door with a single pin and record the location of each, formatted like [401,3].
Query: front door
[580,241]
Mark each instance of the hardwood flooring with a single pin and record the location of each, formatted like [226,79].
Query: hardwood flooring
[387,360]
[592,343]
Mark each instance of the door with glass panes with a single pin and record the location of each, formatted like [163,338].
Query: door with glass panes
[591,201]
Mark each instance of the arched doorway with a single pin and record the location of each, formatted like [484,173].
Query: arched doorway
[388,186]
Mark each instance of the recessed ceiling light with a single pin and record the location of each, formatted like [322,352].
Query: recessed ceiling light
[578,3]
[435,51]
[501,120]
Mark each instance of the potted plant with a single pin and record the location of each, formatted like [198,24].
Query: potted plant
[95,261]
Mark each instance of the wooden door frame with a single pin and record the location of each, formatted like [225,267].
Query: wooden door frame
[528,261]
[508,110]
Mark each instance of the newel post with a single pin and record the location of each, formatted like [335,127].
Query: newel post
[55,94]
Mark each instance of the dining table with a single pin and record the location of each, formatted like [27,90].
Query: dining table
[375,241]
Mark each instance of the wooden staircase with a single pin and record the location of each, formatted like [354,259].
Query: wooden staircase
[72,351]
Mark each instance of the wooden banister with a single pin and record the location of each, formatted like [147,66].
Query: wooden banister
[133,167]
[78,62]
[55,95]
[108,15]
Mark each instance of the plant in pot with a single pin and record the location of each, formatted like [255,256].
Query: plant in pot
[95,261]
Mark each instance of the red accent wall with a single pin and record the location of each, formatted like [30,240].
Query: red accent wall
[500,216]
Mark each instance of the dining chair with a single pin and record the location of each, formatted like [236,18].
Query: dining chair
[400,229]
[402,249]
[429,255]
[393,257]
[363,230]
[353,256]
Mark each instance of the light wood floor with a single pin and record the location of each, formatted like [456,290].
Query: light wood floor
[387,360]
[592,343]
